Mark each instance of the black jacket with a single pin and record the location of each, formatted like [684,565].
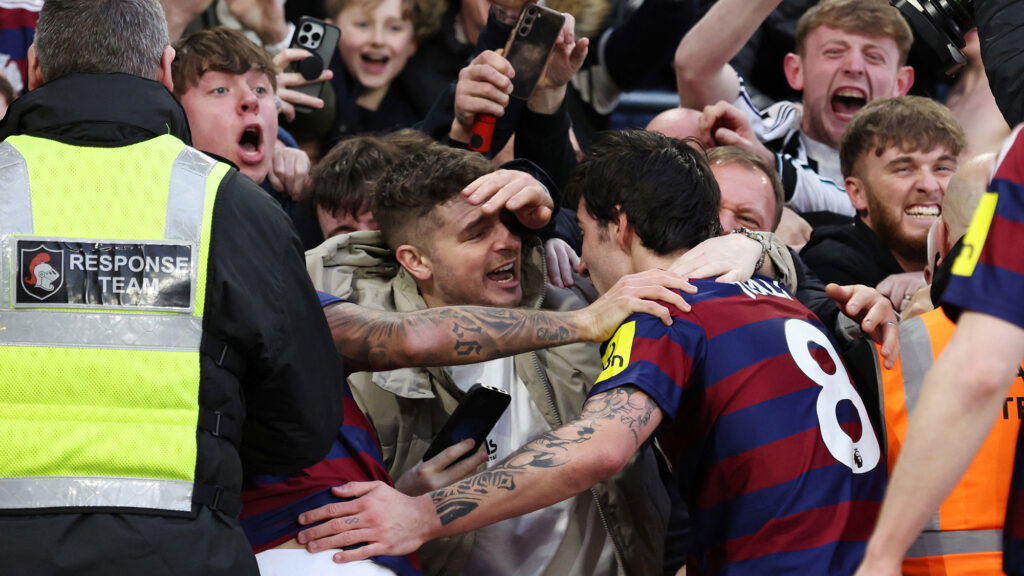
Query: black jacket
[849,254]
[1001,32]
[282,376]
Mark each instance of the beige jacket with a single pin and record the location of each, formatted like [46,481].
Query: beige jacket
[408,407]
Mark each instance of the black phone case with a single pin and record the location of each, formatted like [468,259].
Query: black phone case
[321,39]
[474,417]
[530,45]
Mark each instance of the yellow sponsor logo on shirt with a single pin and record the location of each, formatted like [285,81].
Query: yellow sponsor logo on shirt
[974,239]
[616,355]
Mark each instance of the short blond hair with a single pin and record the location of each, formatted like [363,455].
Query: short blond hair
[871,18]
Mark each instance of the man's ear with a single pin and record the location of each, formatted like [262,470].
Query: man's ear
[164,74]
[35,73]
[858,195]
[793,67]
[415,261]
[904,80]
[623,231]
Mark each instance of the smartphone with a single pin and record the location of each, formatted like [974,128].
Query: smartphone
[530,45]
[321,39]
[474,417]
[527,49]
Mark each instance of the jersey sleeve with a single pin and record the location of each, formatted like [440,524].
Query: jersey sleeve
[988,274]
[655,358]
[328,299]
[808,191]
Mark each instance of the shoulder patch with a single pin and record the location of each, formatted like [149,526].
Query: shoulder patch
[974,239]
[617,352]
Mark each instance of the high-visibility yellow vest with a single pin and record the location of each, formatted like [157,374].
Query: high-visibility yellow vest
[965,536]
[102,287]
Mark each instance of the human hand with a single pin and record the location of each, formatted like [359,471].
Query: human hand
[634,293]
[920,303]
[289,172]
[288,80]
[900,288]
[264,17]
[441,470]
[875,314]
[391,523]
[728,258]
[483,87]
[561,261]
[723,124]
[563,63]
[515,191]
[793,230]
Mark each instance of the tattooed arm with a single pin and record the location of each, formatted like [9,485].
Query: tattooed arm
[549,469]
[376,340]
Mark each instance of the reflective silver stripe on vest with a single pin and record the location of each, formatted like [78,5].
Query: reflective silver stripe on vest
[187,195]
[956,542]
[916,359]
[64,492]
[61,329]
[15,210]
[85,329]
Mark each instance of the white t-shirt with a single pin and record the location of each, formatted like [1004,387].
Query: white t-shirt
[525,545]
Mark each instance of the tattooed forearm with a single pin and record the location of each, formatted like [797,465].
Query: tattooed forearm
[377,340]
[623,411]
[628,404]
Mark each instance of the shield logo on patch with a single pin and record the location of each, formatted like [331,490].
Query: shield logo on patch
[41,272]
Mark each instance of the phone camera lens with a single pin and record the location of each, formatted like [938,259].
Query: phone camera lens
[307,27]
[316,36]
[303,39]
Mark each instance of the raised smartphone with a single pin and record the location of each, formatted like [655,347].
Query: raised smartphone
[474,417]
[321,39]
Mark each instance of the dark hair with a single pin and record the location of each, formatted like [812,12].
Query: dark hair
[663,185]
[218,49]
[910,122]
[410,189]
[100,36]
[725,155]
[870,18]
[345,177]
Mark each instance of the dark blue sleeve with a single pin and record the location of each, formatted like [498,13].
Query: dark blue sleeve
[655,358]
[328,299]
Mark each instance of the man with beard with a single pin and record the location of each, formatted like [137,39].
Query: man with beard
[847,53]
[897,157]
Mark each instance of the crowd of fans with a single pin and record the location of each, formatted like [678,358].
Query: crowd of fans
[815,166]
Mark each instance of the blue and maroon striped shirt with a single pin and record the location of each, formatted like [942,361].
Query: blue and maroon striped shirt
[271,504]
[772,445]
[988,277]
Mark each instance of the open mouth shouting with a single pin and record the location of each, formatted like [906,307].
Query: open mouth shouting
[250,144]
[374,63]
[506,275]
[848,101]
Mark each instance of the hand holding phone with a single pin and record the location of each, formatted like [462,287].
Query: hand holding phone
[474,417]
[527,49]
[320,40]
